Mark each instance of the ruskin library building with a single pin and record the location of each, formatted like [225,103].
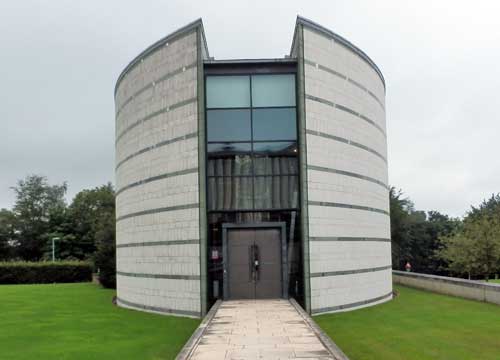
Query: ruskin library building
[252,179]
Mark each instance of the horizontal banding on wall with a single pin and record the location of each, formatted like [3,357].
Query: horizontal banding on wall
[158,243]
[159,276]
[351,305]
[157,308]
[348,206]
[348,272]
[176,35]
[156,82]
[342,76]
[347,110]
[346,141]
[156,178]
[348,173]
[329,34]
[159,210]
[345,238]
[156,113]
[155,146]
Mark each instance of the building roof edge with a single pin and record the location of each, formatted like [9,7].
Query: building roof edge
[198,23]
[250,61]
[321,29]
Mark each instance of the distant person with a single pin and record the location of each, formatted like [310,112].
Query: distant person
[408,266]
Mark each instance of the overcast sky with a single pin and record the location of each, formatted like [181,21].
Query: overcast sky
[59,61]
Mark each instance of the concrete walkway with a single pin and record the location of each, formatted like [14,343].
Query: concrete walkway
[259,329]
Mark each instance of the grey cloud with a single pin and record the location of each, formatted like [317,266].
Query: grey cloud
[60,61]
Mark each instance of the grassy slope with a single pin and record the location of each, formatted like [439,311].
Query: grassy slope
[78,321]
[418,325]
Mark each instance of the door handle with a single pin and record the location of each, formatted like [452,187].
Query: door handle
[256,262]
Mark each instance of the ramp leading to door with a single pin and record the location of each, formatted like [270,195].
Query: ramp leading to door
[260,329]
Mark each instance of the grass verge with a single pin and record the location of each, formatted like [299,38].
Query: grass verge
[418,325]
[78,321]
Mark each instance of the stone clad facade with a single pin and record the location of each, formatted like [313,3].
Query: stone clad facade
[347,181]
[157,203]
[161,234]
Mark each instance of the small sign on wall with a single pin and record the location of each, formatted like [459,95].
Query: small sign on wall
[215,254]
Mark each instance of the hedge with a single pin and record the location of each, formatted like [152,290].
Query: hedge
[44,272]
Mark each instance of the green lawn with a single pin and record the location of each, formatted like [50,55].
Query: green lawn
[418,325]
[78,321]
[495,281]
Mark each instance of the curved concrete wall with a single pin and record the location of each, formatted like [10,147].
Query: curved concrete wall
[160,179]
[346,167]
[157,203]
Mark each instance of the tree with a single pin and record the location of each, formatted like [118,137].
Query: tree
[86,211]
[415,234]
[490,208]
[484,233]
[483,224]
[400,208]
[437,225]
[36,202]
[60,227]
[457,253]
[105,256]
[475,250]
[40,214]
[7,234]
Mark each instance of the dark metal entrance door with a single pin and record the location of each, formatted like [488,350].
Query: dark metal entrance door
[268,282]
[241,275]
[254,263]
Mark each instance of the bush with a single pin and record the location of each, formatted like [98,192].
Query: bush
[44,272]
[105,255]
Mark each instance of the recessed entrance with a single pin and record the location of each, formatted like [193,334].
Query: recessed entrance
[254,266]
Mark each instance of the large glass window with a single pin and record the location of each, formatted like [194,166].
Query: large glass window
[251,142]
[252,165]
[228,91]
[273,90]
[274,124]
[229,125]
[275,148]
[228,148]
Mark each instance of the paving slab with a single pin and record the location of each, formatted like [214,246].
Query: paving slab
[259,329]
